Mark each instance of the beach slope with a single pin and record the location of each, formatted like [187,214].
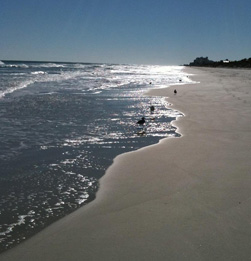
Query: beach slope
[185,198]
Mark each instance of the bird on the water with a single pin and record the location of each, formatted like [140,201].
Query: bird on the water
[142,121]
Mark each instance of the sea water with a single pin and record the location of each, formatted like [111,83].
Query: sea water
[61,126]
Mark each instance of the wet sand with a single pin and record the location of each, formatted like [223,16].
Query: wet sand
[185,198]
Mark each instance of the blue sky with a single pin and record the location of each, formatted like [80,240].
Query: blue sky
[168,32]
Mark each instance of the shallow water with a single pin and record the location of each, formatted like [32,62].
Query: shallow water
[61,126]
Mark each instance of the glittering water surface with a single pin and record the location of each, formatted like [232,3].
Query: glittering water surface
[61,126]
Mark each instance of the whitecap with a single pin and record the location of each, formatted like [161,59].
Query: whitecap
[38,72]
[49,65]
[17,65]
[12,89]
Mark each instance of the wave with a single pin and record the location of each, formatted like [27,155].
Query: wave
[40,77]
[98,76]
[18,87]
[21,219]
[25,66]
[79,66]
[39,72]
[31,65]
[47,65]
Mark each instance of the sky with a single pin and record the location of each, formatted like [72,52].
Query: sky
[165,32]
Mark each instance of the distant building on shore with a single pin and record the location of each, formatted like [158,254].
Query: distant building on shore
[201,61]
[205,62]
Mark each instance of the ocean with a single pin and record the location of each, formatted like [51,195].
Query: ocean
[62,124]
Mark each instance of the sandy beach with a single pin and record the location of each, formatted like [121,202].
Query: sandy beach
[185,198]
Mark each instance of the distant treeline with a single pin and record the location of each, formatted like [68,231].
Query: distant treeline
[205,62]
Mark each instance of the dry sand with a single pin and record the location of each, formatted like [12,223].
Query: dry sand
[185,198]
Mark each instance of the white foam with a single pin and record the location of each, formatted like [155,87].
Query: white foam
[48,65]
[18,87]
[20,221]
[82,199]
[16,65]
[41,76]
[39,72]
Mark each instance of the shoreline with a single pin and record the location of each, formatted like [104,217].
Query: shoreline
[67,162]
[180,199]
